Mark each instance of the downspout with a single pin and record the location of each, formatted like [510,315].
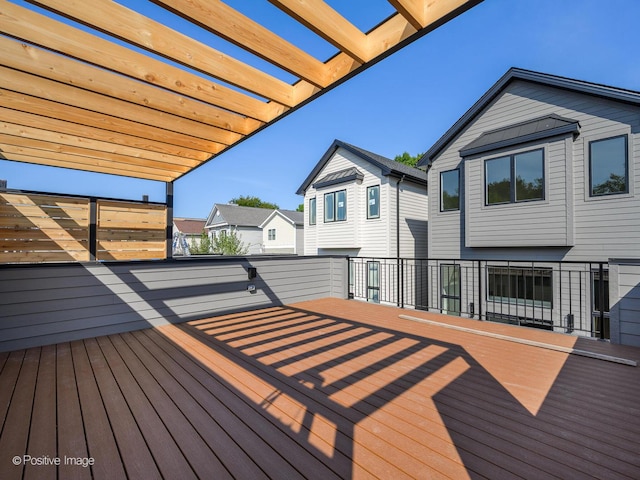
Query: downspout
[400,292]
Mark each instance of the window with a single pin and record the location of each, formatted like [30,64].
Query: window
[450,190]
[608,166]
[335,206]
[312,211]
[515,178]
[520,285]
[373,202]
[450,296]
[373,282]
[272,234]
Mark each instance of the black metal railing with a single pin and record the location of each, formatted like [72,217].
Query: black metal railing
[567,296]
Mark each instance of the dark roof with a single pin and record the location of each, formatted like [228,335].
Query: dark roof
[603,91]
[293,215]
[238,216]
[191,226]
[535,129]
[346,175]
[388,166]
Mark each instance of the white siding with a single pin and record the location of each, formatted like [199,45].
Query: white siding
[285,241]
[598,228]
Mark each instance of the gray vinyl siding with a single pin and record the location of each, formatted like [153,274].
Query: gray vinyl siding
[43,305]
[413,220]
[569,224]
[624,288]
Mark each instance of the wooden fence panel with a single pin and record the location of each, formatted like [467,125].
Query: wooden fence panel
[43,228]
[130,231]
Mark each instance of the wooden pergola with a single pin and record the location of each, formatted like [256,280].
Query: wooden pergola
[143,100]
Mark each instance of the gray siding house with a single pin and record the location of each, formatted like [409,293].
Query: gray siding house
[364,205]
[245,221]
[541,168]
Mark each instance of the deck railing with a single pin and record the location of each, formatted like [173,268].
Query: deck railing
[567,296]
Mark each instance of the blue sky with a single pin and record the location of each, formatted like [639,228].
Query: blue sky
[404,103]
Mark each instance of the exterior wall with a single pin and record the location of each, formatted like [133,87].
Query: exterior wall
[285,241]
[624,294]
[43,305]
[250,236]
[593,228]
[360,235]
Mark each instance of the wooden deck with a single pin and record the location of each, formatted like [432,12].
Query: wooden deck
[323,389]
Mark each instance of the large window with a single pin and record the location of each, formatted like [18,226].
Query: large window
[515,178]
[373,202]
[312,211]
[450,295]
[335,206]
[450,190]
[608,166]
[520,285]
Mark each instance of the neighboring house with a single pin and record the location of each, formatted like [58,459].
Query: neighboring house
[540,168]
[361,204]
[245,221]
[186,233]
[283,232]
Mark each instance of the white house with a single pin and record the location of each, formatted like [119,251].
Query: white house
[283,232]
[245,221]
[541,168]
[361,204]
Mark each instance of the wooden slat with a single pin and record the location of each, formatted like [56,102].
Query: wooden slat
[132,27]
[318,16]
[41,62]
[78,246]
[11,232]
[27,110]
[68,95]
[131,255]
[231,25]
[412,10]
[34,28]
[42,257]
[44,201]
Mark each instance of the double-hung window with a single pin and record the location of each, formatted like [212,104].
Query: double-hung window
[335,206]
[515,178]
[450,190]
[373,202]
[272,234]
[312,211]
[608,166]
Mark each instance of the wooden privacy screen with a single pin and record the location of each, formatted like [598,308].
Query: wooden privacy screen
[128,231]
[37,228]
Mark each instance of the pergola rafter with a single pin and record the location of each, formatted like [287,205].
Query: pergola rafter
[74,99]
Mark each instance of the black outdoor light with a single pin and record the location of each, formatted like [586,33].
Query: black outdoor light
[252,272]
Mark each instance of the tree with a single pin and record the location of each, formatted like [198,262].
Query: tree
[614,184]
[407,159]
[249,201]
[201,248]
[300,208]
[229,243]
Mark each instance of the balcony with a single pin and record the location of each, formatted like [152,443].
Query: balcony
[319,388]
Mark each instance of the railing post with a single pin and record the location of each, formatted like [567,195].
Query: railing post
[479,289]
[93,229]
[402,283]
[601,298]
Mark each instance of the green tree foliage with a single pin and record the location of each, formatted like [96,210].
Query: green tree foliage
[300,208]
[201,248]
[229,243]
[614,184]
[250,201]
[407,159]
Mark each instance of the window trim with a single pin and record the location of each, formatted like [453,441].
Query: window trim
[271,234]
[369,217]
[335,206]
[442,209]
[457,296]
[512,183]
[373,289]
[312,211]
[626,167]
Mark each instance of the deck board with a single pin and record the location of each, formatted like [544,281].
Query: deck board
[320,390]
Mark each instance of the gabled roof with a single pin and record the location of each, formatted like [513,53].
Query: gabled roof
[191,226]
[388,166]
[237,216]
[291,216]
[598,90]
[536,129]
